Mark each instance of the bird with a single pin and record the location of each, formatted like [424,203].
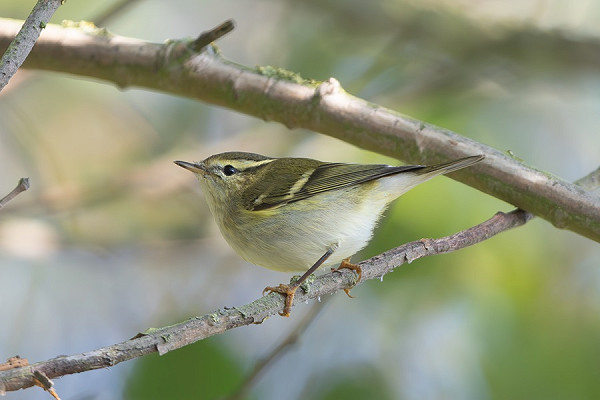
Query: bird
[299,214]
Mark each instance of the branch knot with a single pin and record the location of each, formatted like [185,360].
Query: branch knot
[328,87]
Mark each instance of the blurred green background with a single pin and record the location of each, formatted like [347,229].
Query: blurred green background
[113,238]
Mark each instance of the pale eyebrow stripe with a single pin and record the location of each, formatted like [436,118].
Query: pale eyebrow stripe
[249,164]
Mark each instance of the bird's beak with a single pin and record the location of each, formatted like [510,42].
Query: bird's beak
[196,168]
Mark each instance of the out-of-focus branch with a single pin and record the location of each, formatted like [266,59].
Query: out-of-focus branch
[291,339]
[23,42]
[277,95]
[461,52]
[113,10]
[173,337]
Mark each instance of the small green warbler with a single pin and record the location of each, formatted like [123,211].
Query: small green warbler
[298,214]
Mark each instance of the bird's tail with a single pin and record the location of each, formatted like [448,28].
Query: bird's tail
[447,167]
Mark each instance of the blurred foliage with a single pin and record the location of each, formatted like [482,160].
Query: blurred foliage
[113,238]
[203,370]
[353,381]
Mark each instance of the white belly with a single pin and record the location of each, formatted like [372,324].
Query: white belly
[295,242]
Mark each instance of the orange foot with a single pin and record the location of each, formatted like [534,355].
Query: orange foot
[289,291]
[348,265]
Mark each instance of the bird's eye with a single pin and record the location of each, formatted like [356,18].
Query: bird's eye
[229,170]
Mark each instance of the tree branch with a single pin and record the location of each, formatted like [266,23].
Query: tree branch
[173,337]
[23,42]
[277,95]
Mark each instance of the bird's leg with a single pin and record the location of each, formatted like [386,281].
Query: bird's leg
[348,265]
[290,290]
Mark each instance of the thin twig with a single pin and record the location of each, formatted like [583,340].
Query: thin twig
[176,336]
[277,352]
[112,11]
[591,181]
[22,186]
[210,36]
[19,48]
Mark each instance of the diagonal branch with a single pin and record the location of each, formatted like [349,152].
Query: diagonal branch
[277,95]
[23,42]
[173,337]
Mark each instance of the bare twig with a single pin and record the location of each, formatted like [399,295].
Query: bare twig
[22,186]
[210,36]
[277,352]
[19,48]
[276,95]
[173,337]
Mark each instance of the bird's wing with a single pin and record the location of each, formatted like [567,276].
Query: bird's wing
[318,179]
